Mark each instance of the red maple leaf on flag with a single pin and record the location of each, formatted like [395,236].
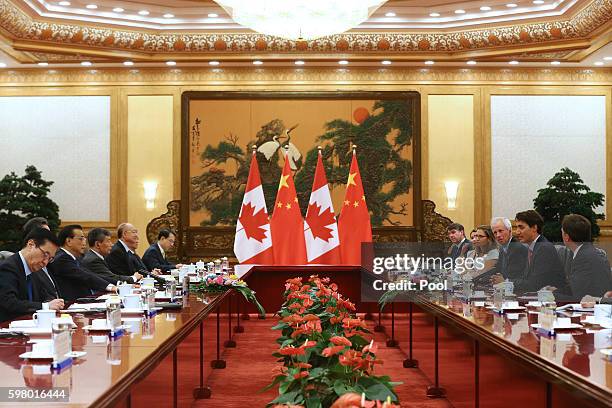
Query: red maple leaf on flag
[253,223]
[318,223]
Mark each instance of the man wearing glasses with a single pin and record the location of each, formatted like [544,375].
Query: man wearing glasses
[73,279]
[21,291]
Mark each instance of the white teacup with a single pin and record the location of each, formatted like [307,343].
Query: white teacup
[125,289]
[42,348]
[99,324]
[147,282]
[132,302]
[603,312]
[43,318]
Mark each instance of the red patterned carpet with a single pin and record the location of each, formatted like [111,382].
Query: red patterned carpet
[250,367]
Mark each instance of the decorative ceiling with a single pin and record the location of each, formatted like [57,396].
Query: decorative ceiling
[402,31]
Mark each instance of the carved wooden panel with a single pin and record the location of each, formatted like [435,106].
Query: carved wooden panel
[434,224]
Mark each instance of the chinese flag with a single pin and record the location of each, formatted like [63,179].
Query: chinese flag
[354,224]
[253,242]
[287,224]
[320,228]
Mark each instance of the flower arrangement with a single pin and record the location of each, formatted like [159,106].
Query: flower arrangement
[213,283]
[326,360]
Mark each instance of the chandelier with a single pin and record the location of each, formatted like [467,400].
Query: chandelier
[300,19]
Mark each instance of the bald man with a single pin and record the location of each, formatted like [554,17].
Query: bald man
[123,259]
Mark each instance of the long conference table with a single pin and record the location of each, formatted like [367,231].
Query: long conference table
[151,364]
[472,356]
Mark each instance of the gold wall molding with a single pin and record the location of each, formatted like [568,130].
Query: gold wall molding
[581,25]
[304,77]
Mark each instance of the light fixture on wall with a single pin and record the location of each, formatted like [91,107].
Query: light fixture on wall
[150,192]
[300,19]
[451,188]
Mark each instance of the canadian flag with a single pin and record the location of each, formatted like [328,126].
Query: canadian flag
[253,241]
[320,228]
[354,224]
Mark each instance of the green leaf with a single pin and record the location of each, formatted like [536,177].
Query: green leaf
[313,402]
[379,392]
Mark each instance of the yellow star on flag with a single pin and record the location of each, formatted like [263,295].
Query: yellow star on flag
[363,197]
[288,206]
[283,181]
[351,179]
[295,200]
[279,205]
[347,202]
[356,204]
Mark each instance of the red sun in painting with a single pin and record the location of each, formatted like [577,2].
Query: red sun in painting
[360,114]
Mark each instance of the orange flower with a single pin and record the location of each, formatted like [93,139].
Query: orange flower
[292,351]
[370,348]
[293,319]
[301,374]
[311,317]
[302,365]
[332,351]
[339,340]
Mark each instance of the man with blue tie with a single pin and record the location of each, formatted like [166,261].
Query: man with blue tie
[21,292]
[73,279]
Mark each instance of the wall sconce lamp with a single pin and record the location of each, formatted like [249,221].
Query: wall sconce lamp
[150,192]
[451,188]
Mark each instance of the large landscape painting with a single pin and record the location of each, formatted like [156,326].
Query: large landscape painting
[223,132]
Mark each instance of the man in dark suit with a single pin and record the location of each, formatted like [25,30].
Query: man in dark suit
[589,273]
[543,264]
[460,244]
[512,259]
[73,279]
[123,259]
[45,277]
[21,292]
[100,245]
[155,256]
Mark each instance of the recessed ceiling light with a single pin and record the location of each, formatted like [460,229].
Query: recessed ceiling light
[118,10]
[434,14]
[385,62]
[213,15]
[511,5]
[64,3]
[429,62]
[460,11]
[213,62]
[485,8]
[555,63]
[513,62]
[2,65]
[171,63]
[599,63]
[257,62]
[299,62]
[538,1]
[343,62]
[471,63]
[91,6]
[607,58]
[168,15]
[86,63]
[43,64]
[390,14]
[128,63]
[144,12]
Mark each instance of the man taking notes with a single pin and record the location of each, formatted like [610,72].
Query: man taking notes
[155,256]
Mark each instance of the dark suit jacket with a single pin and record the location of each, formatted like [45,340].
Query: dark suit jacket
[73,279]
[512,263]
[589,274]
[122,262]
[456,251]
[97,265]
[153,258]
[545,269]
[48,283]
[14,290]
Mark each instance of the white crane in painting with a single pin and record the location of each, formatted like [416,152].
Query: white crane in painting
[269,149]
